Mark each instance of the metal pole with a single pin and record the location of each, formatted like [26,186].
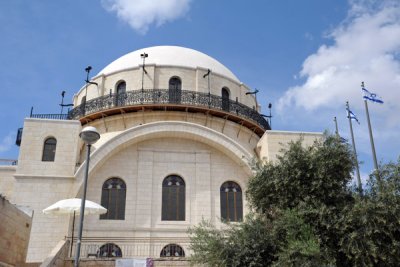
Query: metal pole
[371,138]
[336,127]
[354,150]
[82,211]
[72,235]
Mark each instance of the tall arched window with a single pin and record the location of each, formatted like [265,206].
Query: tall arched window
[175,90]
[49,149]
[113,196]
[172,250]
[231,202]
[173,199]
[109,250]
[225,99]
[121,94]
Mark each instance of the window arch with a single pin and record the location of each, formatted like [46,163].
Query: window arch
[225,99]
[121,93]
[175,90]
[49,149]
[113,196]
[173,199]
[231,202]
[172,250]
[109,250]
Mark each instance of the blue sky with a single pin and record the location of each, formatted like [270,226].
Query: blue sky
[306,57]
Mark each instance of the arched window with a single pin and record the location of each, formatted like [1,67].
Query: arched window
[175,90]
[109,250]
[113,197]
[121,94]
[172,250]
[173,199]
[231,202]
[225,99]
[49,149]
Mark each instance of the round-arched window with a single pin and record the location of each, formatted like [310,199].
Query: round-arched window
[49,149]
[113,196]
[109,250]
[172,250]
[173,199]
[231,202]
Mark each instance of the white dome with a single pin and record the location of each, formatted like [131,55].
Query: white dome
[168,56]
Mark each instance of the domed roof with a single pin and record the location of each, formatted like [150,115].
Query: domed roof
[168,56]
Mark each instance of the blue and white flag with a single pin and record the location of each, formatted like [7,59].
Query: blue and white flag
[371,96]
[352,116]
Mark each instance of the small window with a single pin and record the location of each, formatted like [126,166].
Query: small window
[172,250]
[225,99]
[121,94]
[113,196]
[175,90]
[231,202]
[49,149]
[173,199]
[109,250]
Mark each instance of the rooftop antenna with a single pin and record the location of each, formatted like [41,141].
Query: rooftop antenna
[269,116]
[62,103]
[144,55]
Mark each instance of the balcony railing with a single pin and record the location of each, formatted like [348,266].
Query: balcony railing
[50,116]
[164,97]
[131,248]
[8,162]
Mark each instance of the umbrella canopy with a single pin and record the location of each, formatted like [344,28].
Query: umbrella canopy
[69,206]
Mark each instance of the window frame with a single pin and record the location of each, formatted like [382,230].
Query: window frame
[174,248]
[47,149]
[173,198]
[117,212]
[231,199]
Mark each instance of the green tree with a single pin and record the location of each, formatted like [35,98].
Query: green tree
[307,215]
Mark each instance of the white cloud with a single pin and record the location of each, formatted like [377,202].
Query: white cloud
[365,47]
[7,142]
[140,14]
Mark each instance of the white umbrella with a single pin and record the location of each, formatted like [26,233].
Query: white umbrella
[73,205]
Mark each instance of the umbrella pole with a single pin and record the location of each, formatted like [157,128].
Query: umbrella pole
[72,238]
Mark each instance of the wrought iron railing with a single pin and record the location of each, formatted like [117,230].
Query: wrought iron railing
[165,97]
[8,162]
[131,248]
[50,116]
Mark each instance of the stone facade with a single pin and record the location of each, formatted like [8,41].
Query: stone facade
[15,229]
[141,147]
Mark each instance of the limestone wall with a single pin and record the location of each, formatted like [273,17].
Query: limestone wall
[7,181]
[36,131]
[272,142]
[15,229]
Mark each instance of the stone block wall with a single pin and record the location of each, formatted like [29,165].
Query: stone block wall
[15,229]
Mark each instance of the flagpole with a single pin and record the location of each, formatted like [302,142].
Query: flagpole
[371,138]
[354,150]
[336,127]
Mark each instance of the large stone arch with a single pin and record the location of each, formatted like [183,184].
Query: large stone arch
[176,129]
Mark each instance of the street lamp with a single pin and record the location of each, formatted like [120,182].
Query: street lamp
[89,135]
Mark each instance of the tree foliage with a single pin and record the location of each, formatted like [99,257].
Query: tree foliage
[307,215]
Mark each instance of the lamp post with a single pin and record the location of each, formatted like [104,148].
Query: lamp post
[89,135]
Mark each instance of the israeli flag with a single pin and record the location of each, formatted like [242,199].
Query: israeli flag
[371,96]
[352,116]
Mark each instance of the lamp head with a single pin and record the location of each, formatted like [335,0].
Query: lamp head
[89,135]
